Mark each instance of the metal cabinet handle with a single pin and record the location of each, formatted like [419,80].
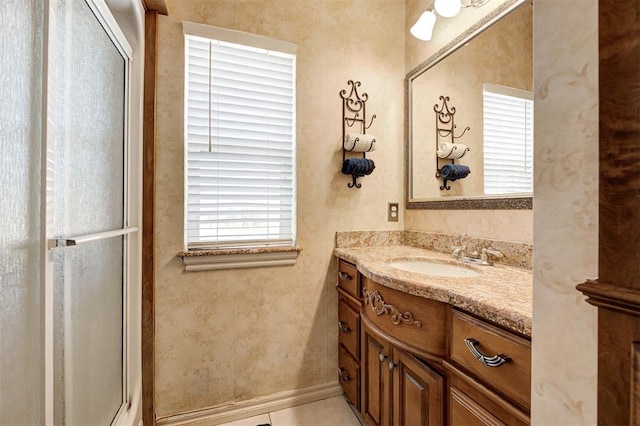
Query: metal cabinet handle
[344,375]
[344,276]
[382,357]
[343,327]
[489,361]
[392,365]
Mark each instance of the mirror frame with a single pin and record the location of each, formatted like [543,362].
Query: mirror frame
[480,202]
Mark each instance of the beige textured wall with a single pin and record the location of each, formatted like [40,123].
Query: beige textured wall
[507,225]
[565,211]
[238,334]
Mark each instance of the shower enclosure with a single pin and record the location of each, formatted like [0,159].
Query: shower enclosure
[67,237]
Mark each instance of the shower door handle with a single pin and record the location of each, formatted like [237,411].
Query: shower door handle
[70,242]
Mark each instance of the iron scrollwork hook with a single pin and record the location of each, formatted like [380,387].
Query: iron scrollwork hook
[445,128]
[354,111]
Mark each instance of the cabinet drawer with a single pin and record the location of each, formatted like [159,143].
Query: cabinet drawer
[471,403]
[413,323]
[348,327]
[349,376]
[512,378]
[464,411]
[348,278]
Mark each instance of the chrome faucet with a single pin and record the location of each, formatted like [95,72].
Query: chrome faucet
[460,252]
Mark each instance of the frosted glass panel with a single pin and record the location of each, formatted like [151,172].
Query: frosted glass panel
[88,198]
[90,124]
[89,329]
[20,138]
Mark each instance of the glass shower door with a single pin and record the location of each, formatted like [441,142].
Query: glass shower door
[64,233]
[89,211]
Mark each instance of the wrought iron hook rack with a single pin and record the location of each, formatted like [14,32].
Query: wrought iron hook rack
[354,111]
[445,128]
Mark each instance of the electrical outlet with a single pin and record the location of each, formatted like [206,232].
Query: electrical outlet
[393,212]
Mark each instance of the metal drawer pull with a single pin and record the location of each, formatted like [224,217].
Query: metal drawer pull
[382,357]
[489,361]
[343,327]
[70,242]
[344,375]
[392,365]
[344,276]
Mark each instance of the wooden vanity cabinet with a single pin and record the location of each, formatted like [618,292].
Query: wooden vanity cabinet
[405,360]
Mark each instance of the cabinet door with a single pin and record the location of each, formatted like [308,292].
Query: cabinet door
[417,392]
[376,381]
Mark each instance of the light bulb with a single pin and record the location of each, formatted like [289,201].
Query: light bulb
[423,28]
[447,8]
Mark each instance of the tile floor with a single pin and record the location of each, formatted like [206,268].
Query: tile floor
[327,412]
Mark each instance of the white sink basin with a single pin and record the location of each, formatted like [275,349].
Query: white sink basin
[429,267]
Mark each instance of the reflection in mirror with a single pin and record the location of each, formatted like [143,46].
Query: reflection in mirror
[488,80]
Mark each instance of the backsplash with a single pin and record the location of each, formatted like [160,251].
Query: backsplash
[515,253]
[369,238]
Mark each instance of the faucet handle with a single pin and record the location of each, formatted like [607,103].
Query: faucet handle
[490,253]
[457,251]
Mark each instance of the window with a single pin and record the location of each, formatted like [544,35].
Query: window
[239,140]
[508,140]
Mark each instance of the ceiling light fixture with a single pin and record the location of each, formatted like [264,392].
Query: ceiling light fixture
[423,28]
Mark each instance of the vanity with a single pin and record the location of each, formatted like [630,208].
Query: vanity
[425,339]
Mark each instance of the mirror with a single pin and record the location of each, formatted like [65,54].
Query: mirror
[478,84]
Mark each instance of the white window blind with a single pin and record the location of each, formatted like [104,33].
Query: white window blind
[240,142]
[508,140]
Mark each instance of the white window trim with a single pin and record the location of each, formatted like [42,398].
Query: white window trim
[208,260]
[239,257]
[507,91]
[239,37]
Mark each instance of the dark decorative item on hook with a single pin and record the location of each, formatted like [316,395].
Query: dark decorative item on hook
[448,150]
[354,111]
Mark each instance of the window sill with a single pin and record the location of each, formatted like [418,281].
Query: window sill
[213,260]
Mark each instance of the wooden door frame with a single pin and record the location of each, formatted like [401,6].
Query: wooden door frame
[152,9]
[616,292]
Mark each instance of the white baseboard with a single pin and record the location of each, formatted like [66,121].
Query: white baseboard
[253,407]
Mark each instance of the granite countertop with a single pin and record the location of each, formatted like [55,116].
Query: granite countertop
[501,294]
